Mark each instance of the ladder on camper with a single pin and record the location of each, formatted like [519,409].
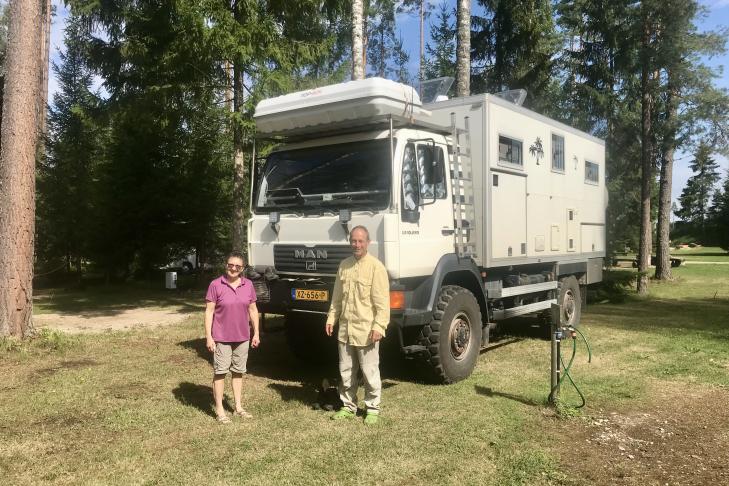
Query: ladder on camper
[464,214]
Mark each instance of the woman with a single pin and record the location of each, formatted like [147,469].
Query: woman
[229,313]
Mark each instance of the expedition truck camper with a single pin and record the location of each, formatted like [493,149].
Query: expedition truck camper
[481,210]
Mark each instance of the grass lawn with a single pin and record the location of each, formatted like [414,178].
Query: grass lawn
[135,407]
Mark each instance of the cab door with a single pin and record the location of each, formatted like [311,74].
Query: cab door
[426,215]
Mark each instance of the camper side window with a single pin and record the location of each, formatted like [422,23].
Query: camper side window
[510,151]
[592,172]
[557,153]
[431,172]
[410,191]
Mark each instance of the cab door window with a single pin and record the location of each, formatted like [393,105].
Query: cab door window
[410,179]
[431,172]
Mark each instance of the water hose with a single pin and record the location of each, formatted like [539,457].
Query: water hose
[566,368]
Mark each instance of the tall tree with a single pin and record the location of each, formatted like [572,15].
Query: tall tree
[358,52]
[66,210]
[401,60]
[648,30]
[463,50]
[422,9]
[441,54]
[684,87]
[515,45]
[695,196]
[719,215]
[381,36]
[19,135]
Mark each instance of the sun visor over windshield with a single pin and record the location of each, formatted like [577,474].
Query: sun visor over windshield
[356,103]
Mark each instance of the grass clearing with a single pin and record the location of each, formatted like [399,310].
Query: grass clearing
[135,406]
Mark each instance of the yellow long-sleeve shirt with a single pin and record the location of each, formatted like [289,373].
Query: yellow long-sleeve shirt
[360,300]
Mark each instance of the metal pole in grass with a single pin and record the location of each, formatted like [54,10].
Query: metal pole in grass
[556,335]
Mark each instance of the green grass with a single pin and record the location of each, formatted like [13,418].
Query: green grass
[112,299]
[703,253]
[135,407]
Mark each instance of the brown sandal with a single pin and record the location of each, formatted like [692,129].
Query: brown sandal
[242,414]
[223,419]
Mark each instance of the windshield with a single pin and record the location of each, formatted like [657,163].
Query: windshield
[353,175]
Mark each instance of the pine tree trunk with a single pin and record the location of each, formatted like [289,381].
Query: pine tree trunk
[644,251]
[239,163]
[463,50]
[19,136]
[45,45]
[663,250]
[422,47]
[357,39]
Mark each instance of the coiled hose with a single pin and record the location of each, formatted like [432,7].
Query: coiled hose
[566,368]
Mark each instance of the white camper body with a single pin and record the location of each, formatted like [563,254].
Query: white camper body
[479,209]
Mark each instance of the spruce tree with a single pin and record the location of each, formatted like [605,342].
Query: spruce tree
[697,193]
[67,215]
[441,53]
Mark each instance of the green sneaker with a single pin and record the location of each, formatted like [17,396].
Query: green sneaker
[343,413]
[371,418]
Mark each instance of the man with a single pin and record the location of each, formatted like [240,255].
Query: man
[361,304]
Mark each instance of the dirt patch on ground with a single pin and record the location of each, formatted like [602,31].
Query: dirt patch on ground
[681,438]
[121,320]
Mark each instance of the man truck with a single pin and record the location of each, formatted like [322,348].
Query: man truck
[480,209]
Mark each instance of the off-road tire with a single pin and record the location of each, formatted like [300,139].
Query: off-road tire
[570,299]
[453,338]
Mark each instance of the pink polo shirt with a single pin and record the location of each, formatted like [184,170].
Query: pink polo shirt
[230,321]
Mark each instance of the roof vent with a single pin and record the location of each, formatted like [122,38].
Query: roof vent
[516,96]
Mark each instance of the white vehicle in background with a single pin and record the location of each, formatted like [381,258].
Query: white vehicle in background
[480,209]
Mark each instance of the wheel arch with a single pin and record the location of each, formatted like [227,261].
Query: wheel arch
[450,270]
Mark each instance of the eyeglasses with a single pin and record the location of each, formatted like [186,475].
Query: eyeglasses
[235,267]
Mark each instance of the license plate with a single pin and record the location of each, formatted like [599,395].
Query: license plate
[306,294]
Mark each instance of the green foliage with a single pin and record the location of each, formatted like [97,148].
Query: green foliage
[615,286]
[54,340]
[67,177]
[699,188]
[441,53]
[381,37]
[719,215]
[514,46]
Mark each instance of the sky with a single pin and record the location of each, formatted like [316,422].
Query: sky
[718,16]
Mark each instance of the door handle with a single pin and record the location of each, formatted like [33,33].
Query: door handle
[447,232]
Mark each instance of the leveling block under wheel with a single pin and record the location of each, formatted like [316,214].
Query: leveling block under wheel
[559,370]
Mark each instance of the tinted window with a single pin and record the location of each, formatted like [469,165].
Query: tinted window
[509,150]
[557,153]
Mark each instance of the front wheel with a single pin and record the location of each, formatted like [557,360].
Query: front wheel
[453,337]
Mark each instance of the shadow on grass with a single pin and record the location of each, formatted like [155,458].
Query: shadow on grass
[197,396]
[488,392]
[113,300]
[703,254]
[708,315]
[200,348]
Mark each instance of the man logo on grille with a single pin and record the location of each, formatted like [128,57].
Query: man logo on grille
[311,265]
[310,254]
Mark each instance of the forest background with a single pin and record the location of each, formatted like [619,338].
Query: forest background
[149,123]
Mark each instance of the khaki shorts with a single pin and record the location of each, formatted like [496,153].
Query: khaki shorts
[230,357]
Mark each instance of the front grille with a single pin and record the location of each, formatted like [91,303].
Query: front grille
[318,259]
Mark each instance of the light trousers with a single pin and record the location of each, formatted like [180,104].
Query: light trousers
[353,359]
